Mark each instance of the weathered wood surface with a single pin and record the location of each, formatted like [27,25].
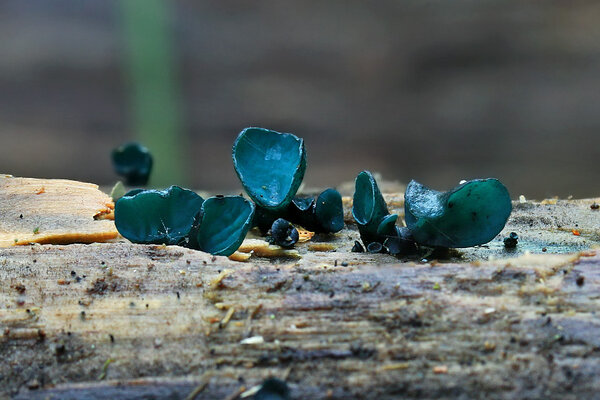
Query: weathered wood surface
[57,211]
[337,324]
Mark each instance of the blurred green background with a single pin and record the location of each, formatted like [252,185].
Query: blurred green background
[432,90]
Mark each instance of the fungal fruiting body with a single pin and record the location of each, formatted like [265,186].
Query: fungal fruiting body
[157,216]
[471,214]
[223,224]
[270,165]
[177,216]
[370,211]
[133,162]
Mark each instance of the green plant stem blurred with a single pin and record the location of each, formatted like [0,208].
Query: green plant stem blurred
[155,94]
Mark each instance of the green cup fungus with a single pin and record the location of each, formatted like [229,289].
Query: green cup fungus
[377,227]
[375,247]
[270,166]
[387,225]
[177,216]
[222,224]
[325,214]
[273,389]
[329,211]
[471,214]
[370,212]
[157,216]
[133,162]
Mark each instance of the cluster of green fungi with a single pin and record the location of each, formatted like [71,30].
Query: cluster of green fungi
[271,166]
[471,214]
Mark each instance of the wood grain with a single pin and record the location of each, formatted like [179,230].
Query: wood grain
[53,211]
[141,322]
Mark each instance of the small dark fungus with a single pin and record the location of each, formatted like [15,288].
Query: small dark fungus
[510,242]
[402,243]
[270,165]
[375,247]
[222,224]
[471,214]
[370,210]
[358,248]
[273,389]
[283,233]
[595,206]
[157,216]
[329,211]
[133,162]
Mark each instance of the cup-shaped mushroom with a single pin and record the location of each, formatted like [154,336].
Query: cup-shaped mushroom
[368,208]
[270,166]
[324,214]
[387,226]
[273,389]
[329,211]
[471,214]
[223,224]
[157,216]
[133,162]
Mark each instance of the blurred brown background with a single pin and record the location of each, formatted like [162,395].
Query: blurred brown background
[437,91]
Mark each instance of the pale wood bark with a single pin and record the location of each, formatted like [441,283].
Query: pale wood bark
[335,324]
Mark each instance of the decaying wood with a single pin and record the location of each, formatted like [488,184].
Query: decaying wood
[482,322]
[53,211]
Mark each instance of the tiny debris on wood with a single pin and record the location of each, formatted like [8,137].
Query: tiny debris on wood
[440,369]
[239,256]
[227,318]
[321,247]
[217,282]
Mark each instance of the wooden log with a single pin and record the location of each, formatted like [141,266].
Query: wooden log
[56,211]
[135,321]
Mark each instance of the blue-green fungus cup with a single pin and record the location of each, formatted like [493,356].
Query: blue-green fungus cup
[273,389]
[323,214]
[471,214]
[222,224]
[370,211]
[329,211]
[157,216]
[133,162]
[270,165]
